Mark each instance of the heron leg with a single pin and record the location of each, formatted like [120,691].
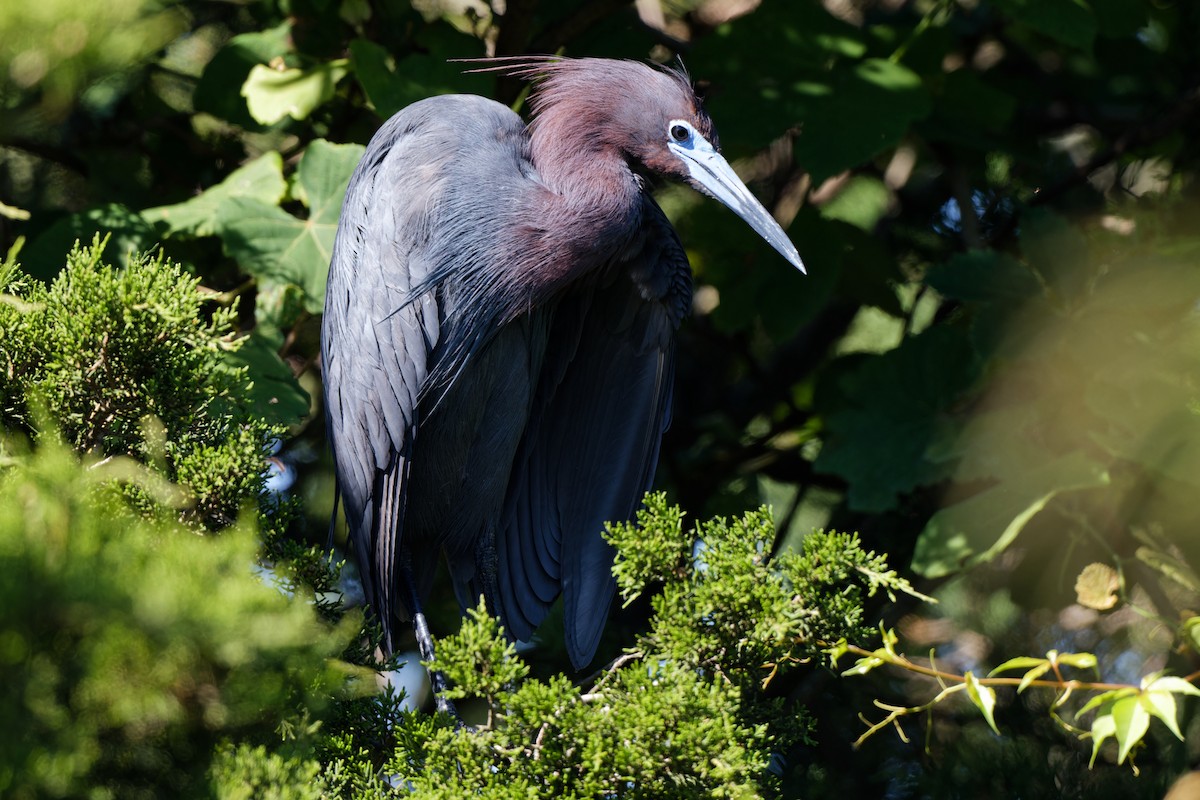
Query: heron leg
[437,679]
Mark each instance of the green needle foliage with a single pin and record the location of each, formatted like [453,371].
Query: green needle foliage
[135,362]
[685,713]
[131,648]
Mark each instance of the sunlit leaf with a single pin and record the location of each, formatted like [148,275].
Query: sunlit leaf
[1106,697]
[1132,721]
[1170,683]
[1096,587]
[984,698]
[272,94]
[215,91]
[1020,662]
[261,179]
[1103,727]
[983,526]
[1078,660]
[1162,705]
[268,242]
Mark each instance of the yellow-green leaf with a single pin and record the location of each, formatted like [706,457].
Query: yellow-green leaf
[1105,697]
[1162,705]
[1169,683]
[1103,726]
[272,94]
[1096,587]
[984,698]
[1078,660]
[1020,662]
[1132,721]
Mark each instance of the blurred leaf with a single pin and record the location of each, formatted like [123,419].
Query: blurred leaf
[1068,21]
[1096,587]
[272,94]
[861,202]
[217,92]
[128,234]
[261,179]
[266,241]
[1120,18]
[1058,251]
[980,528]
[967,105]
[983,276]
[856,115]
[882,414]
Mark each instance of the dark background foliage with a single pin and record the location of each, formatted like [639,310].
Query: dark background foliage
[989,372]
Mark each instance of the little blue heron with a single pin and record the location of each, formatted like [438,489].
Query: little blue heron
[498,339]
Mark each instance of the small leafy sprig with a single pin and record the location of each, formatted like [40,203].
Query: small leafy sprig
[1123,711]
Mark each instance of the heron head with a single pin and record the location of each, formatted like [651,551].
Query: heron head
[653,119]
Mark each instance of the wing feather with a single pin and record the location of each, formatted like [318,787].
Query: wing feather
[589,454]
[384,314]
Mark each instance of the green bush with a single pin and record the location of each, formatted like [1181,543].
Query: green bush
[135,362]
[131,647]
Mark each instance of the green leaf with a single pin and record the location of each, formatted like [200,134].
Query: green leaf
[128,234]
[968,105]
[272,94]
[276,395]
[391,84]
[984,698]
[1070,22]
[1077,660]
[1020,662]
[1132,721]
[214,93]
[1106,698]
[1103,727]
[862,202]
[1169,683]
[260,179]
[881,414]
[268,242]
[983,276]
[864,665]
[1161,705]
[980,528]
[856,115]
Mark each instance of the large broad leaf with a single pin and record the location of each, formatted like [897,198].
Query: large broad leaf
[276,394]
[261,179]
[272,94]
[980,528]
[391,84]
[882,414]
[268,242]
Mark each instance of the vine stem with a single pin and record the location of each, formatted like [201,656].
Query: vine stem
[933,672]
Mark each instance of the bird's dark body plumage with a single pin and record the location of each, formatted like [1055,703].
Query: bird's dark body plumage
[498,340]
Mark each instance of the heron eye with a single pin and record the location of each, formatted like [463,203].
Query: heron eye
[680,133]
